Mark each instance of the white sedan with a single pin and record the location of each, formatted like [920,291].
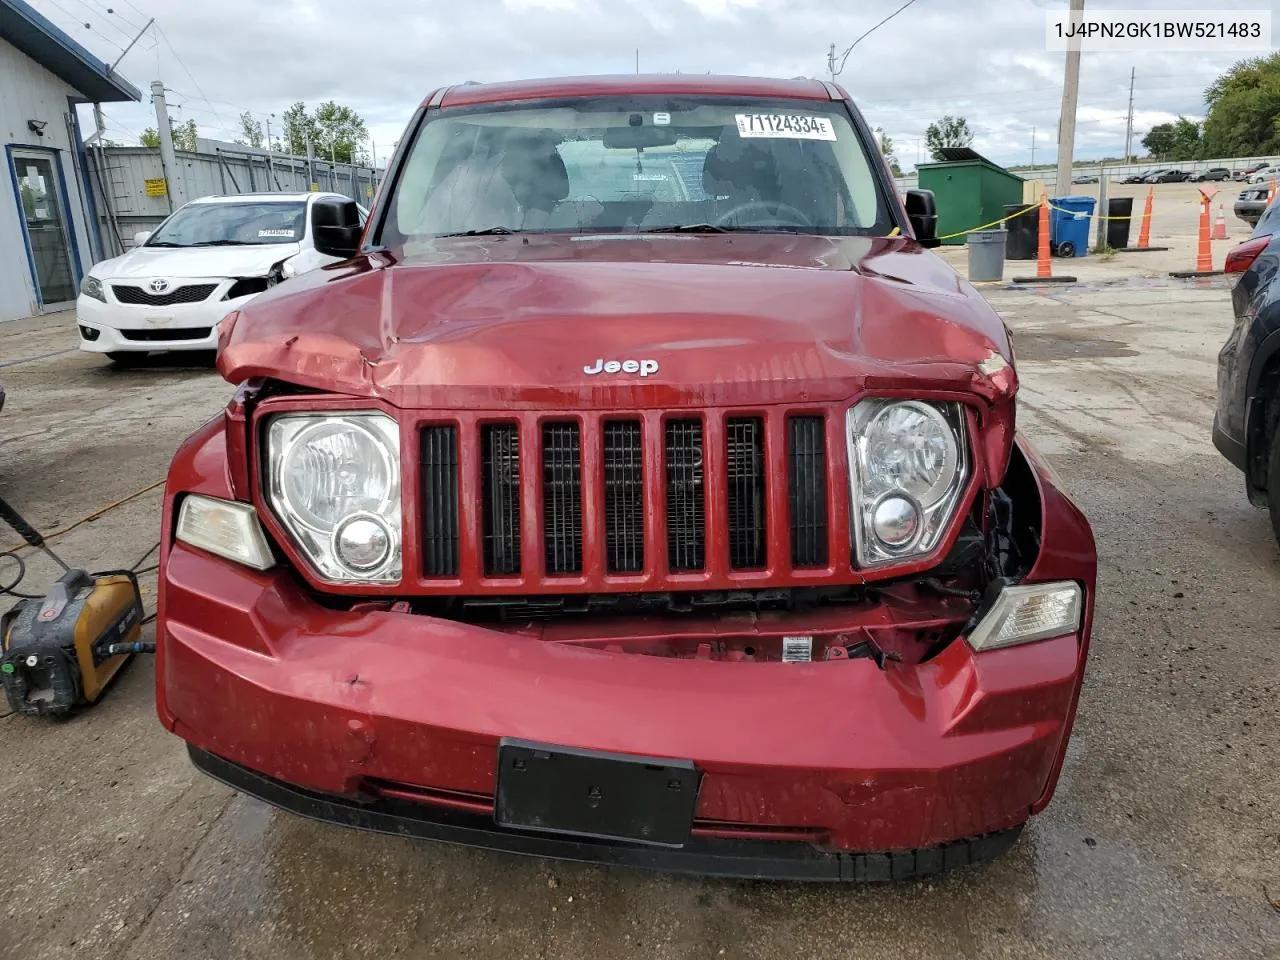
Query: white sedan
[210,257]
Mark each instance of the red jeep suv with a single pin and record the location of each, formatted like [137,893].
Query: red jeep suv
[640,489]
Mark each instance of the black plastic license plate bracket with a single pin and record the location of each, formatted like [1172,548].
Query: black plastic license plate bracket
[586,793]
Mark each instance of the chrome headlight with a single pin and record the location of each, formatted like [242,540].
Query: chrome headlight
[334,482]
[908,464]
[92,287]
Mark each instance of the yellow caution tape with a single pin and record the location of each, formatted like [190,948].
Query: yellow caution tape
[988,226]
[1031,206]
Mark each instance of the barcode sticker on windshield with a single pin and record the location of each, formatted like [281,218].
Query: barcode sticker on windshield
[786,126]
[276,233]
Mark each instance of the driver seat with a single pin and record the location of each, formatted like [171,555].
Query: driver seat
[742,171]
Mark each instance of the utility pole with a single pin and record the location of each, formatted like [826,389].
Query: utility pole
[637,60]
[271,165]
[1070,98]
[1128,127]
[311,166]
[831,62]
[1033,148]
[168,159]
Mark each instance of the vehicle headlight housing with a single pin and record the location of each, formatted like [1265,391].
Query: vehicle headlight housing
[334,482]
[908,465]
[92,287]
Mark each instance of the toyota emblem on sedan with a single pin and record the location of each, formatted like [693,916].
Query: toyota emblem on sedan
[158,286]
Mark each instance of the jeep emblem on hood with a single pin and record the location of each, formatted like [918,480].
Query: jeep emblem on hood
[642,367]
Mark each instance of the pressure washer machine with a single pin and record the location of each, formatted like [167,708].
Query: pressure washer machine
[61,650]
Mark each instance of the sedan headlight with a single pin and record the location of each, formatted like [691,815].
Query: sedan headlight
[92,287]
[908,463]
[334,482]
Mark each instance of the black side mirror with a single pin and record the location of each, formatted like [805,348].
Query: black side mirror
[922,211]
[335,225]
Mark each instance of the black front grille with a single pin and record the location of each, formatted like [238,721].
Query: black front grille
[807,490]
[562,497]
[500,465]
[545,506]
[624,496]
[686,527]
[140,296]
[744,447]
[440,501]
[165,336]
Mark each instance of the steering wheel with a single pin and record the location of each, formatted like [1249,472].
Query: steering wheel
[774,213]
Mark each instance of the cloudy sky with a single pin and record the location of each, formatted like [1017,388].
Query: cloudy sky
[983,59]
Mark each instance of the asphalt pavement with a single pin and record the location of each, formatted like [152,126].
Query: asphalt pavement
[1163,840]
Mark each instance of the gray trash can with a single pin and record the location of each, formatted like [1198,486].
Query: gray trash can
[986,255]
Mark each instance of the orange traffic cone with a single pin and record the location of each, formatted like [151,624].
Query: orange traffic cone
[1204,259]
[1044,263]
[1144,237]
[1271,193]
[1220,225]
[1204,255]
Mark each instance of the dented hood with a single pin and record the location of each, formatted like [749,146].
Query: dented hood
[245,260]
[485,323]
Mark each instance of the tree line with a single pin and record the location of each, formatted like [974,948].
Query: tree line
[1243,117]
[335,132]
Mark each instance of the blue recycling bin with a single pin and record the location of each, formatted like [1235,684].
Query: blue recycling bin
[1069,225]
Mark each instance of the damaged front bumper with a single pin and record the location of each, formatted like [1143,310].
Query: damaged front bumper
[846,768]
[751,859]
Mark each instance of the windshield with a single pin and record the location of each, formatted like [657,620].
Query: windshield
[637,164]
[232,224]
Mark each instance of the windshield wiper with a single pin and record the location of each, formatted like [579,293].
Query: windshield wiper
[218,243]
[688,228]
[163,243]
[486,232]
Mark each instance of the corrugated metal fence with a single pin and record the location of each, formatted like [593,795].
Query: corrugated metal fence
[127,183]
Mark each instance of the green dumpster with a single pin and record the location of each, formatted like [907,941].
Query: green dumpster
[969,189]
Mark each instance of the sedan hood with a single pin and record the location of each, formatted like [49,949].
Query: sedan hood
[502,322]
[249,260]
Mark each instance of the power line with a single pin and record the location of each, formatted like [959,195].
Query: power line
[836,71]
[113,12]
[226,103]
[86,24]
[130,4]
[192,77]
[95,12]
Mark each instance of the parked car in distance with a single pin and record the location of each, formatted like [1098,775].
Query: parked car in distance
[1264,173]
[1212,175]
[1154,176]
[1169,176]
[1246,428]
[1085,178]
[209,257]
[1251,203]
[765,598]
[1247,172]
[1135,178]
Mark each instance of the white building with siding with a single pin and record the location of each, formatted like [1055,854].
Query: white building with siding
[47,220]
